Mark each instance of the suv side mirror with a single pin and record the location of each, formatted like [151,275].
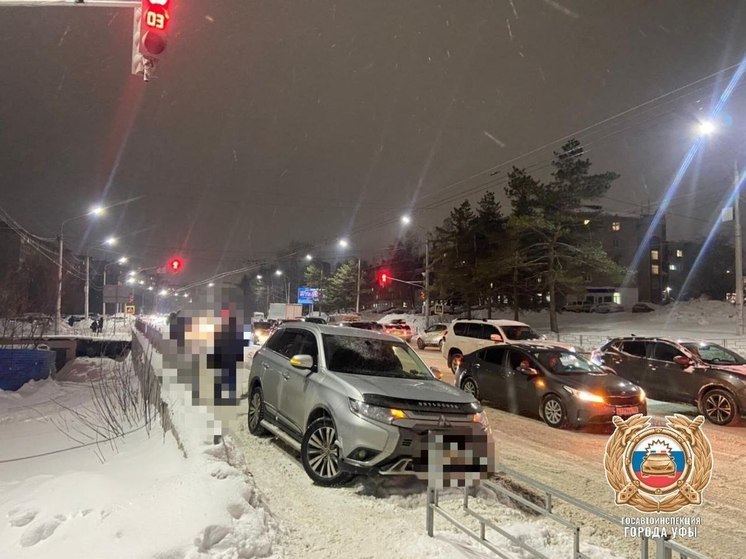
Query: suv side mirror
[496,338]
[437,373]
[683,361]
[302,361]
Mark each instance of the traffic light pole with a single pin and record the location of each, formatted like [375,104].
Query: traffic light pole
[427,282]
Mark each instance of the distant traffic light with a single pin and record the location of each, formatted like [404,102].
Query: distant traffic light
[150,34]
[175,265]
[383,279]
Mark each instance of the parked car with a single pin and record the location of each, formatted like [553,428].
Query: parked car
[578,306]
[702,373]
[375,326]
[352,401]
[261,330]
[559,386]
[465,336]
[432,336]
[642,307]
[314,319]
[604,308]
[400,329]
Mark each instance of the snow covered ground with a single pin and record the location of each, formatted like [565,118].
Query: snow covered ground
[67,493]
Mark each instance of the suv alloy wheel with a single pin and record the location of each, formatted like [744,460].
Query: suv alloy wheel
[256,412]
[320,453]
[719,407]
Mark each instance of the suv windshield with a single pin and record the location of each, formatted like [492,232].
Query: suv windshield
[565,362]
[714,354]
[367,356]
[520,333]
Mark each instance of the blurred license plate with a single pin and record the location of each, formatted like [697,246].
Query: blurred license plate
[631,410]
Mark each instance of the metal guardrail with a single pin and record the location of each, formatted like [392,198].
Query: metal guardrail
[661,548]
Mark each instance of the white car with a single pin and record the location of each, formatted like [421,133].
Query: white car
[432,336]
[604,308]
[465,336]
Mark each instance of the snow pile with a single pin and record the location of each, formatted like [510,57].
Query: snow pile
[66,492]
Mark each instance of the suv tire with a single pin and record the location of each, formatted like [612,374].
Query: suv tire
[470,386]
[320,454]
[256,412]
[454,360]
[553,411]
[719,407]
[420,344]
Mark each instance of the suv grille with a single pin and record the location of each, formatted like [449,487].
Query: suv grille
[420,405]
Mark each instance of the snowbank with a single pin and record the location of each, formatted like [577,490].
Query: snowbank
[66,492]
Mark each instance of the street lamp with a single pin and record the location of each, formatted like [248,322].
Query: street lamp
[287,286]
[706,128]
[95,211]
[406,220]
[210,284]
[309,257]
[343,243]
[111,241]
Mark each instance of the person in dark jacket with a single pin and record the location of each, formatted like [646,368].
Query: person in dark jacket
[229,345]
[94,327]
[101,324]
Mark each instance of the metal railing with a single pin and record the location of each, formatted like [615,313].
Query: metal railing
[661,548]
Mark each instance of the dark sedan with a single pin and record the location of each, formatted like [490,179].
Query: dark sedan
[559,386]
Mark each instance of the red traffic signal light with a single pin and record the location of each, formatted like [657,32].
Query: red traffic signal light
[383,279]
[155,18]
[175,265]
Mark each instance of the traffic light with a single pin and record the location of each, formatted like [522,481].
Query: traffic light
[152,19]
[383,279]
[175,265]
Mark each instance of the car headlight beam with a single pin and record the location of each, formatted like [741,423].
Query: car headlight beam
[585,396]
[377,413]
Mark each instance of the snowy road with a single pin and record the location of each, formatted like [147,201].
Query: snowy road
[572,461]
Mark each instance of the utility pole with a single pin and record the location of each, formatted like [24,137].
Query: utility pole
[59,286]
[739,252]
[357,301]
[427,282]
[87,284]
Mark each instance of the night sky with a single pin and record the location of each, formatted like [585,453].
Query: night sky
[285,120]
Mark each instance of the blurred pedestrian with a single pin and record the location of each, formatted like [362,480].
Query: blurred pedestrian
[94,327]
[101,324]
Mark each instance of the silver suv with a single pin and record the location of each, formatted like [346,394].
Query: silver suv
[353,401]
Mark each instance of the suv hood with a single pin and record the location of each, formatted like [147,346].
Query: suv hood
[739,370]
[611,385]
[408,389]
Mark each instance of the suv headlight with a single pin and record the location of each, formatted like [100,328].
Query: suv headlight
[585,396]
[376,413]
[481,418]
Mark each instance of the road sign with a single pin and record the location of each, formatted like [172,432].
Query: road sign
[308,295]
[129,309]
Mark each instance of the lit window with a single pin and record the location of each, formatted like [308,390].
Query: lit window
[672,266]
[586,221]
[616,226]
[655,269]
[679,253]
[653,255]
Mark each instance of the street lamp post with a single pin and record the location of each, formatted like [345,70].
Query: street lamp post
[97,211]
[738,247]
[406,221]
